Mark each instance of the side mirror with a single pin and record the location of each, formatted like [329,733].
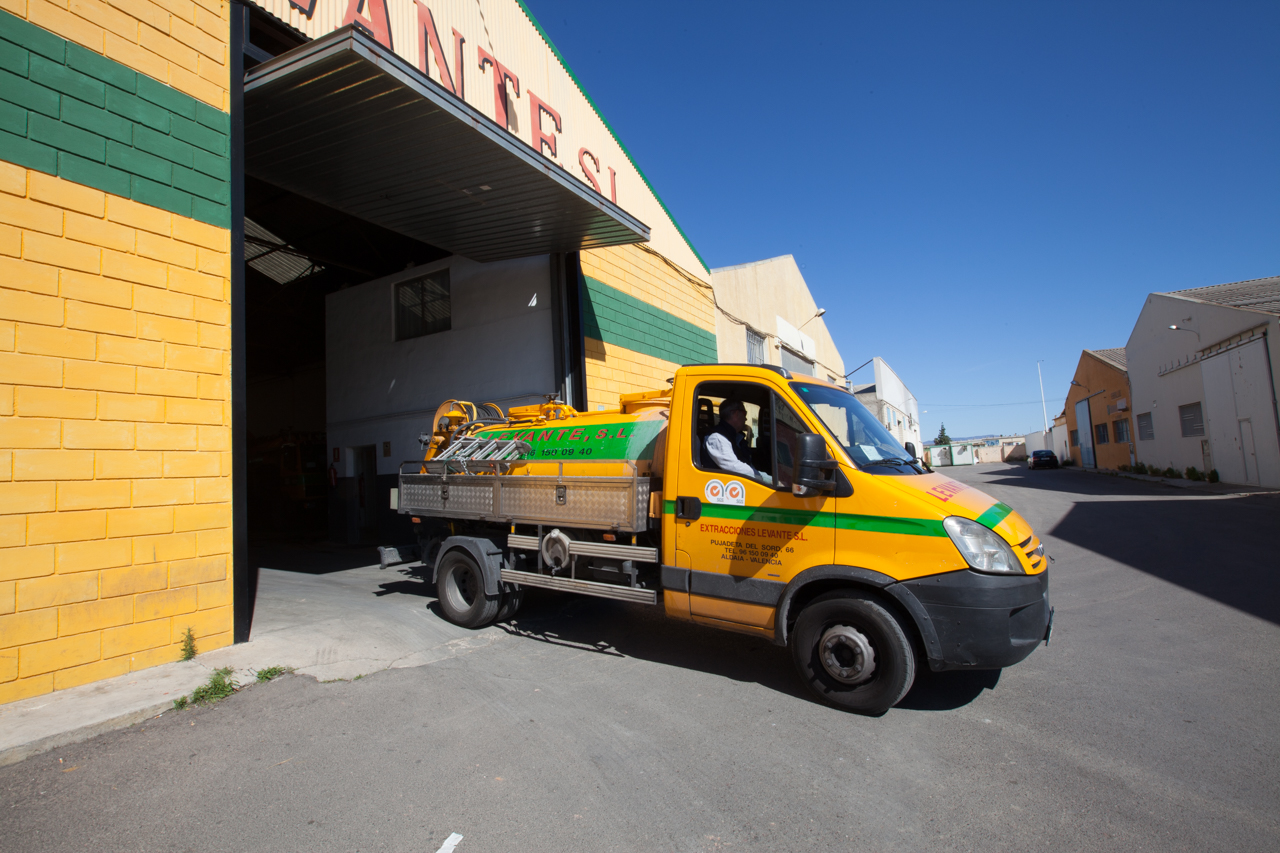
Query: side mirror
[911,448]
[811,463]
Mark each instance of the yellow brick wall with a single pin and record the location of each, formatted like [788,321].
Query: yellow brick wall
[179,42]
[115,437]
[612,370]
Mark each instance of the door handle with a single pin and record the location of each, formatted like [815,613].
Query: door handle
[688,509]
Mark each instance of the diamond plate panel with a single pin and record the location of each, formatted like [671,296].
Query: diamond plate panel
[597,502]
[472,500]
[589,501]
[419,496]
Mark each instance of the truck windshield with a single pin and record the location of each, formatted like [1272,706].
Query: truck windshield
[863,437]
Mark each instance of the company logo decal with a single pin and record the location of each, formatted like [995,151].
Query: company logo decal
[948,490]
[732,492]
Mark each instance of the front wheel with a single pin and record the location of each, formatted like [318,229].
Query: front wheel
[853,653]
[460,587]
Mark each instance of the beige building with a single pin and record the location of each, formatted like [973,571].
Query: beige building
[766,315]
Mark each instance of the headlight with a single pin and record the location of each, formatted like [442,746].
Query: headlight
[981,547]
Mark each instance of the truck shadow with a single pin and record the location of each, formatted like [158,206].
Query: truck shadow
[946,691]
[622,630]
[617,629]
[414,580]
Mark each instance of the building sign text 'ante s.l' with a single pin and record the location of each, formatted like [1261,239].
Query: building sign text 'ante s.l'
[449,63]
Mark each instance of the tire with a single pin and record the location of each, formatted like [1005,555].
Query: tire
[460,590]
[512,598]
[853,623]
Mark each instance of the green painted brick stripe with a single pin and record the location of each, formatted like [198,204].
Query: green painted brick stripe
[621,319]
[808,518]
[994,515]
[70,112]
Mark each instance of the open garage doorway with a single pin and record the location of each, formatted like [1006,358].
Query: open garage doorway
[400,249]
[298,253]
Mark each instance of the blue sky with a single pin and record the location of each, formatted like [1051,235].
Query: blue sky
[968,187]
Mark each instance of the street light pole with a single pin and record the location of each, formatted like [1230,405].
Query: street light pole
[1043,408]
[821,311]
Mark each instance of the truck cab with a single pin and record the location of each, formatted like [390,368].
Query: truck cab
[743,498]
[829,537]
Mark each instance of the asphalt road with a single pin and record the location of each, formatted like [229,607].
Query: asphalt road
[1149,723]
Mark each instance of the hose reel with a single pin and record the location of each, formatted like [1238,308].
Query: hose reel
[555,549]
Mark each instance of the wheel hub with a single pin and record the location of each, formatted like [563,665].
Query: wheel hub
[464,587]
[847,655]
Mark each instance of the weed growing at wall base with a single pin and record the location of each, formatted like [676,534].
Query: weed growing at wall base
[219,686]
[267,673]
[188,645]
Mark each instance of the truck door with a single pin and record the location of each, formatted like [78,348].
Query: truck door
[739,531]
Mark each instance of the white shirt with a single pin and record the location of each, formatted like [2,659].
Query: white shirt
[722,453]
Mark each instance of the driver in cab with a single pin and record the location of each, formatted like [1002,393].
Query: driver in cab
[725,447]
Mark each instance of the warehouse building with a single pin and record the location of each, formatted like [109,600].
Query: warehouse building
[1098,410]
[246,250]
[1203,373]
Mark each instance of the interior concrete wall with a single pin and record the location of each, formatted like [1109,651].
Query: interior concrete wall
[499,349]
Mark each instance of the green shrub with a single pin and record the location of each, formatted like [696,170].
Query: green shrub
[1124,468]
[1194,474]
[1140,468]
[1213,476]
[270,672]
[1172,473]
[220,686]
[188,645]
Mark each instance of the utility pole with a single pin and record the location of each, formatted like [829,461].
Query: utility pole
[1043,408]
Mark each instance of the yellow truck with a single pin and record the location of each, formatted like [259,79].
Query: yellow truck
[742,497]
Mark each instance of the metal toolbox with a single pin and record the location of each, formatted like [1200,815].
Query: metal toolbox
[603,503]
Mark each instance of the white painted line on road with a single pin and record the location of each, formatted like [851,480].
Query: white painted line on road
[450,843]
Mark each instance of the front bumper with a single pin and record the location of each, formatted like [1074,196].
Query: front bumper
[979,621]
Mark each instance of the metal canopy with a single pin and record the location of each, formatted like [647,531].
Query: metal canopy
[345,122]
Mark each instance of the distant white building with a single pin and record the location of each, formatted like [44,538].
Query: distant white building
[892,403]
[1203,379]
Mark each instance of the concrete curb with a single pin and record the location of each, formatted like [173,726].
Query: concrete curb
[14,754]
[331,627]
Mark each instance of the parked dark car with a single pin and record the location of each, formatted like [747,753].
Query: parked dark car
[1042,459]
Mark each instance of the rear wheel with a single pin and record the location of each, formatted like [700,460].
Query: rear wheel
[851,651]
[512,598]
[460,587]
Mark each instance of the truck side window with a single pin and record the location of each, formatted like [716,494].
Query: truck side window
[752,447]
